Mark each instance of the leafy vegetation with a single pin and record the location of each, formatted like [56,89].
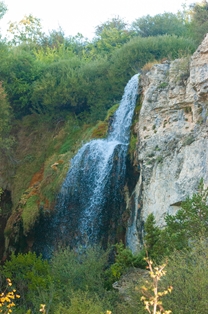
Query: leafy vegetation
[187,273]
[199,24]
[124,259]
[30,276]
[6,140]
[55,73]
[160,24]
[80,280]
[190,222]
[56,92]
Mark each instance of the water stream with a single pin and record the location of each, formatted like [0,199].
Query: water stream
[92,191]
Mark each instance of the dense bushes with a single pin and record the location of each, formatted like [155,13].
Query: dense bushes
[60,76]
[55,73]
[56,79]
[160,24]
[31,278]
[80,281]
[187,272]
[71,282]
[18,72]
[133,55]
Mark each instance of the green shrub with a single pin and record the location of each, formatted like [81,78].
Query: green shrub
[190,222]
[152,238]
[187,272]
[82,303]
[124,259]
[31,278]
[78,271]
[18,71]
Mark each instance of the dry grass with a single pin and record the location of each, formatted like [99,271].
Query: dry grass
[147,67]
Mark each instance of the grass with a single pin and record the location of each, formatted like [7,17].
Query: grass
[148,66]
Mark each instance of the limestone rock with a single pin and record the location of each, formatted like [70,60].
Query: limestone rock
[172,139]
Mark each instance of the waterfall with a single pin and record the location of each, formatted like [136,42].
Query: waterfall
[93,188]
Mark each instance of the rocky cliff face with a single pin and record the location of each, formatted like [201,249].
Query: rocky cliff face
[172,133]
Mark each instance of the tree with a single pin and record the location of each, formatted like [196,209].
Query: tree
[160,24]
[28,30]
[152,237]
[3,9]
[111,35]
[199,20]
[18,71]
[54,39]
[115,22]
[188,224]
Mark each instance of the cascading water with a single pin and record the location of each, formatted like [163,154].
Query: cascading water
[93,186]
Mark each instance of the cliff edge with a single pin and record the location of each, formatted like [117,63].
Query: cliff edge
[172,132]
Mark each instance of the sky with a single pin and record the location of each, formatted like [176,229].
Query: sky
[82,16]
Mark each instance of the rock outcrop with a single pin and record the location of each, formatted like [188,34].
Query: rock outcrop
[172,139]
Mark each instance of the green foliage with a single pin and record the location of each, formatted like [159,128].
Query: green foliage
[56,74]
[30,276]
[28,30]
[111,39]
[187,272]
[71,85]
[70,142]
[81,270]
[102,127]
[6,139]
[132,146]
[132,56]
[114,23]
[110,36]
[133,136]
[57,86]
[3,9]
[124,259]
[162,85]
[81,302]
[160,24]
[152,238]
[100,131]
[54,40]
[72,282]
[190,222]
[199,20]
[18,72]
